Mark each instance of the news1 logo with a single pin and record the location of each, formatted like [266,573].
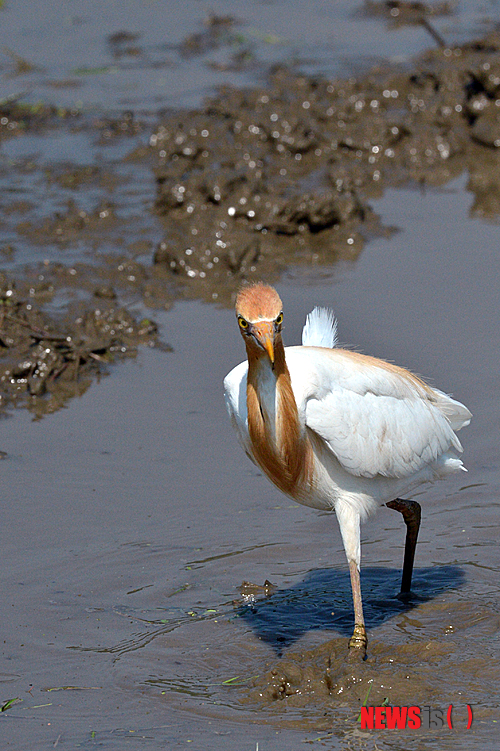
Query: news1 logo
[411,718]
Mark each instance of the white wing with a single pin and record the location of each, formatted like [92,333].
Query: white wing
[320,329]
[235,395]
[374,418]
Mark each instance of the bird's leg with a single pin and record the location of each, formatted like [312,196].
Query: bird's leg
[358,641]
[411,514]
[349,523]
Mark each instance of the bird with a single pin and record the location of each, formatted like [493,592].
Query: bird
[338,430]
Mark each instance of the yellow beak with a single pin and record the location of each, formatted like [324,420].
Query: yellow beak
[263,332]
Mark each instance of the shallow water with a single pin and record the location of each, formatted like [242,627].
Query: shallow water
[131,518]
[74,61]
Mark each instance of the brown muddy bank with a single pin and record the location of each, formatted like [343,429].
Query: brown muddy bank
[284,174]
[301,158]
[46,360]
[252,182]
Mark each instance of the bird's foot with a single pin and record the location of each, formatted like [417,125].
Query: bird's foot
[405,596]
[358,643]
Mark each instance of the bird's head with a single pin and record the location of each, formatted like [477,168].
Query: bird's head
[259,311]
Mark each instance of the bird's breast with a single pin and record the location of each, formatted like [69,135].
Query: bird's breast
[278,440]
[265,387]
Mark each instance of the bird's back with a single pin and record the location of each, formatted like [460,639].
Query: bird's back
[377,418]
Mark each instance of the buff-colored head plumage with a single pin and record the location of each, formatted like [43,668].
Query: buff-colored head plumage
[259,302]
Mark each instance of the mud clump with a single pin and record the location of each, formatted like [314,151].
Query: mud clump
[44,361]
[218,31]
[327,674]
[424,651]
[66,226]
[17,117]
[262,178]
[401,12]
[252,182]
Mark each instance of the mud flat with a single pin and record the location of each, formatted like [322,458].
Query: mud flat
[251,183]
[264,178]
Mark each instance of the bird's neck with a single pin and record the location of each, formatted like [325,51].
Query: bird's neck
[279,443]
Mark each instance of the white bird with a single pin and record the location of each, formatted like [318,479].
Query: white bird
[338,430]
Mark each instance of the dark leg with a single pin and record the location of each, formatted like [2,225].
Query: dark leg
[411,514]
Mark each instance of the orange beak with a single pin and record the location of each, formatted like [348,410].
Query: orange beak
[263,332]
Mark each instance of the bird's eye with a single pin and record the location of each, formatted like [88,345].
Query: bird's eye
[243,323]
[279,319]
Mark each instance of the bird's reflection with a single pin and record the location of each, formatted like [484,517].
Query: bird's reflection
[322,600]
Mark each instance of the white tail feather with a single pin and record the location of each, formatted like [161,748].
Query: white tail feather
[457,414]
[320,329]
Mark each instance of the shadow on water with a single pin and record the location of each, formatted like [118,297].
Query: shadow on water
[323,601]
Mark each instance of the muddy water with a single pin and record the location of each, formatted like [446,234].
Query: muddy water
[155,55]
[131,519]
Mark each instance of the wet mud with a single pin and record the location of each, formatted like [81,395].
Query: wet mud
[435,650]
[263,178]
[434,645]
[411,673]
[253,181]
[45,361]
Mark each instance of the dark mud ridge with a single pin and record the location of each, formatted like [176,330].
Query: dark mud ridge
[46,361]
[261,179]
[254,181]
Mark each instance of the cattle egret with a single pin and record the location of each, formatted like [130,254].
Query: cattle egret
[335,429]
